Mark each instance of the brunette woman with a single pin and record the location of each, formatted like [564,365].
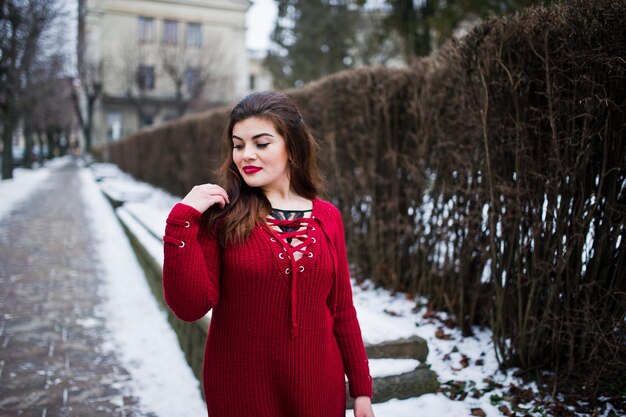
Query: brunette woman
[269,257]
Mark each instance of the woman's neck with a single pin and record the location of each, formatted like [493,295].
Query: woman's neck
[287,200]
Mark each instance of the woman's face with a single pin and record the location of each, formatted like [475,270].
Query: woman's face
[260,154]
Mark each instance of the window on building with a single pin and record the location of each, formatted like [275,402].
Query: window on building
[145,77]
[192,78]
[146,120]
[170,32]
[145,29]
[114,126]
[194,34]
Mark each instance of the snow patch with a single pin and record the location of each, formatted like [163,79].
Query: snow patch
[141,336]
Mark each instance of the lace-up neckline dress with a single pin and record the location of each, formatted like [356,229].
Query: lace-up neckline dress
[283,329]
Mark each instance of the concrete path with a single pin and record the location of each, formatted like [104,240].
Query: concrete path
[53,360]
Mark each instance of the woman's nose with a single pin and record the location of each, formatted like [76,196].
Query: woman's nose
[249,154]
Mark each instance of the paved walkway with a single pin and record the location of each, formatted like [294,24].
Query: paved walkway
[52,360]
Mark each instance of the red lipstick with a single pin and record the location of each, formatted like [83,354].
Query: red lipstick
[251,169]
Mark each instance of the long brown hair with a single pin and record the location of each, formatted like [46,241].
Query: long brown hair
[248,205]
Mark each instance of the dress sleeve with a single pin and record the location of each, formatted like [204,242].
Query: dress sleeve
[191,266]
[346,325]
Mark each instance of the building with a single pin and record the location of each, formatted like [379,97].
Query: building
[259,78]
[148,61]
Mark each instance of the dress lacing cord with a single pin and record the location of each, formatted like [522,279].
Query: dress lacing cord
[282,237]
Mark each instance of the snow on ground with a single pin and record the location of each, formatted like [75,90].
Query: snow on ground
[141,335]
[467,362]
[382,316]
[23,183]
[146,342]
[427,405]
[387,366]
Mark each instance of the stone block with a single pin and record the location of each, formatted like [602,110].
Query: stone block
[413,347]
[411,384]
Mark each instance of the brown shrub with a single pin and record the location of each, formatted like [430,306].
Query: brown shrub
[490,177]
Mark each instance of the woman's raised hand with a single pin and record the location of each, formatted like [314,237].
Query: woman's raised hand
[203,196]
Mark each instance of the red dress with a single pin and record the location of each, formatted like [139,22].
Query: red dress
[283,331]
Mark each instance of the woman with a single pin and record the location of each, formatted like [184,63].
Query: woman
[269,258]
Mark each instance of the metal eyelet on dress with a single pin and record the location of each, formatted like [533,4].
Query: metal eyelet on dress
[281,255]
[301,268]
[310,254]
[187,224]
[182,244]
[287,271]
[314,240]
[273,239]
[312,227]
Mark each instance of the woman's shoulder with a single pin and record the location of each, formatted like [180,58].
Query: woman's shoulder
[324,205]
[326,209]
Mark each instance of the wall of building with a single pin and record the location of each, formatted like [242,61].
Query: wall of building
[112,34]
[259,78]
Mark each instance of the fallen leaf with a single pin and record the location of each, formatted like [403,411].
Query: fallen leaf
[465,361]
[440,334]
[429,312]
[449,323]
[522,396]
[493,384]
[505,410]
[478,412]
[457,384]
[392,313]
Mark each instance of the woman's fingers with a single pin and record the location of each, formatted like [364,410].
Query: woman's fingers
[210,190]
[213,189]
[203,196]
[217,199]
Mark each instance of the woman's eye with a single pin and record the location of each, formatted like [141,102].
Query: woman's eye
[237,146]
[262,145]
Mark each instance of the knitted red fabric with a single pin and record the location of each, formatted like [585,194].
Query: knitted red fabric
[260,359]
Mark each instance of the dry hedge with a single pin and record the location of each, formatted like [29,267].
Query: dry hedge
[490,177]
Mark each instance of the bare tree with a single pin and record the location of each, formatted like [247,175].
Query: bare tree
[192,70]
[49,116]
[188,71]
[139,79]
[39,93]
[90,73]
[22,24]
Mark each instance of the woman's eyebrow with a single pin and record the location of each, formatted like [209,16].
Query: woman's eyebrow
[255,136]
